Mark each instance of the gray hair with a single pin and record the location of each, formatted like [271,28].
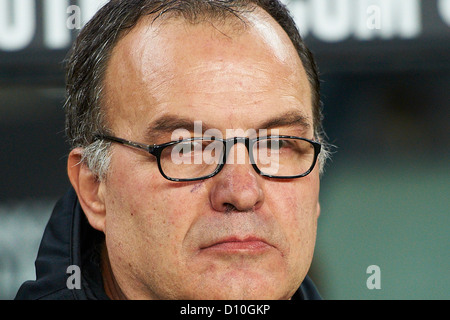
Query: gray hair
[88,60]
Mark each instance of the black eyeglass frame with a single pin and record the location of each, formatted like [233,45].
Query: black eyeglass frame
[157,149]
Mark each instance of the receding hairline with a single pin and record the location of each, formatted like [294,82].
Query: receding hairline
[226,26]
[233,20]
[205,14]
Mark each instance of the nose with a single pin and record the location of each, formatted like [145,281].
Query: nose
[237,186]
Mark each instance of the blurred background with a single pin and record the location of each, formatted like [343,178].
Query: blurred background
[385,69]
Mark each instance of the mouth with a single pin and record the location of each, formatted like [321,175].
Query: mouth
[236,245]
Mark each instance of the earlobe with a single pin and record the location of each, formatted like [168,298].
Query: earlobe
[88,189]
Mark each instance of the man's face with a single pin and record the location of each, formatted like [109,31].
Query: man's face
[234,236]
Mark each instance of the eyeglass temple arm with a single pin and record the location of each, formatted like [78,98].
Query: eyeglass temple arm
[128,143]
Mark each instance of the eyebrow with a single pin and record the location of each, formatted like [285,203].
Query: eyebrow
[288,119]
[167,124]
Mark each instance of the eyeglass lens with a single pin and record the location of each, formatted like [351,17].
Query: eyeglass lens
[275,157]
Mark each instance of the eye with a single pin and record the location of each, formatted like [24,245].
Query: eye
[278,144]
[188,148]
[274,144]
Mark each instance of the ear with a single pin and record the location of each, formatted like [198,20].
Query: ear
[88,188]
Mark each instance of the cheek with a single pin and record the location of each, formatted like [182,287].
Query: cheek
[296,207]
[145,227]
[146,211]
[298,200]
[301,220]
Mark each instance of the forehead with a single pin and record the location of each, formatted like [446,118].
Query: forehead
[223,73]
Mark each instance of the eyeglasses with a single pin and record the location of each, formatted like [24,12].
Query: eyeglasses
[279,157]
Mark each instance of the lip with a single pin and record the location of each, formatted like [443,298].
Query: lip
[234,245]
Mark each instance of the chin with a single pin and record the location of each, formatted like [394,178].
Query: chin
[245,286]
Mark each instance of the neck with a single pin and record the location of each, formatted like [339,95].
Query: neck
[112,288]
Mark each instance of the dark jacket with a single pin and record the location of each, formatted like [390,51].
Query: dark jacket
[69,240]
